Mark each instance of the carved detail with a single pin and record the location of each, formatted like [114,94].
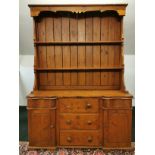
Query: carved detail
[121,12]
[36,10]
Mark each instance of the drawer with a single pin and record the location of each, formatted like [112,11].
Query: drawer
[80,138]
[124,103]
[79,105]
[41,103]
[79,121]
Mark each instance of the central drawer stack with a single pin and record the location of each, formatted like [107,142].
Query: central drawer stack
[79,122]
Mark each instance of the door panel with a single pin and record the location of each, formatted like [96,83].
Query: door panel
[41,127]
[117,122]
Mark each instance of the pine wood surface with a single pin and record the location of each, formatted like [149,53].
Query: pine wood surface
[78,8]
[79,97]
[82,93]
[63,65]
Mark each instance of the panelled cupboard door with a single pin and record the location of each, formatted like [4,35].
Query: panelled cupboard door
[117,128]
[41,127]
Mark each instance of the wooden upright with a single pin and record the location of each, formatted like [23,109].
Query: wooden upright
[79,97]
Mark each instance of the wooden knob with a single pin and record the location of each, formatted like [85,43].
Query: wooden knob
[90,139]
[69,139]
[88,105]
[89,122]
[68,122]
[52,126]
[68,107]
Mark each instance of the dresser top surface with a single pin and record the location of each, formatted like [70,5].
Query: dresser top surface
[80,93]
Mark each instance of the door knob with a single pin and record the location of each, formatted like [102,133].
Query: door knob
[52,126]
[68,107]
[69,139]
[88,105]
[89,122]
[68,122]
[90,139]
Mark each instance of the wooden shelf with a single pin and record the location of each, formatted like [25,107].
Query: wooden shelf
[78,43]
[78,69]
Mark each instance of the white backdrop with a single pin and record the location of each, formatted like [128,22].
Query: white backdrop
[27,76]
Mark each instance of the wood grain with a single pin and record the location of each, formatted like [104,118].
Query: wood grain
[58,49]
[50,50]
[79,98]
[81,51]
[74,49]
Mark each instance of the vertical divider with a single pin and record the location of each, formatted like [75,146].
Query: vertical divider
[122,59]
[74,49]
[42,52]
[89,50]
[117,50]
[81,51]
[58,49]
[66,49]
[46,73]
[110,50]
[96,50]
[50,50]
[62,55]
[104,49]
[35,87]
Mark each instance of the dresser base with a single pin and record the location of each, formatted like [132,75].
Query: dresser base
[80,122]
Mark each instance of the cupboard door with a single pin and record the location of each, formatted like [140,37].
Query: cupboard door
[117,128]
[41,127]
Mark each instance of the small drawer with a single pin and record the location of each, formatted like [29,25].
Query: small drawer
[80,138]
[124,103]
[41,103]
[79,121]
[84,105]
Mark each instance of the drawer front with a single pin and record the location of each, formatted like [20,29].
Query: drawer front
[80,138]
[41,103]
[117,103]
[79,105]
[79,121]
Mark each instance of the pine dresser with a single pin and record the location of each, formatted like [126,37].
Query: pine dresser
[79,98]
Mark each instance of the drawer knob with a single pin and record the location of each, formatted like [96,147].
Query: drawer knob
[89,122]
[88,105]
[69,139]
[68,122]
[68,107]
[90,139]
[52,126]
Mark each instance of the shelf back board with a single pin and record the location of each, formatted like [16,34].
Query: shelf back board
[78,50]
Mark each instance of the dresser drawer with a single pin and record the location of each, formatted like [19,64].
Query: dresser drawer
[41,103]
[81,138]
[79,105]
[79,121]
[124,103]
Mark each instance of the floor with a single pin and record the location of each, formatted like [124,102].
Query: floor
[23,150]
